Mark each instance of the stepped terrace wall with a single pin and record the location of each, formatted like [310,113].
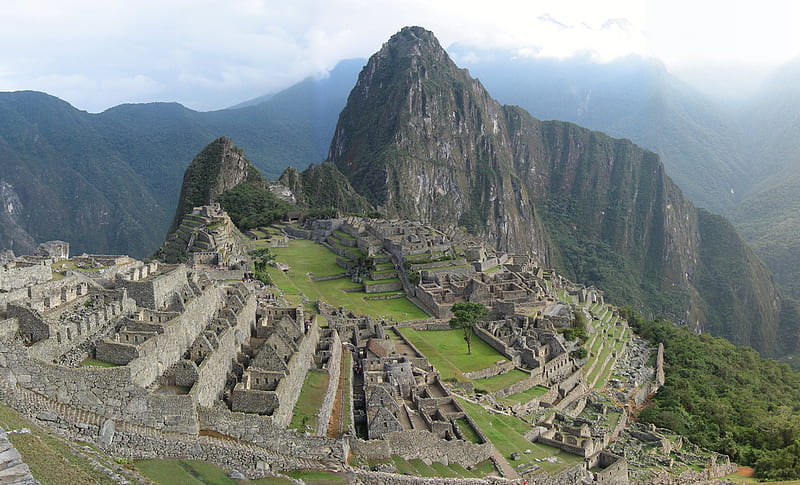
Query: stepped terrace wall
[213,371]
[263,431]
[414,444]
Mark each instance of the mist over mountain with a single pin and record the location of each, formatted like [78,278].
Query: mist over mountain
[629,97]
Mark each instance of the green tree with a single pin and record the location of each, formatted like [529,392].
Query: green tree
[466,316]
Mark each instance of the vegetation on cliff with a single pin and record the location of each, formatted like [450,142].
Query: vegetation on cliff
[726,398]
[324,187]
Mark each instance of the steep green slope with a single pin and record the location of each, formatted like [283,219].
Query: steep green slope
[220,166]
[770,222]
[68,183]
[422,140]
[322,187]
[726,398]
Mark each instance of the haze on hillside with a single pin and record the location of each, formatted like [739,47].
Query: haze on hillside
[210,55]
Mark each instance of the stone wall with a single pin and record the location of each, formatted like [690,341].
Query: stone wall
[12,468]
[492,371]
[382,287]
[66,334]
[411,444]
[12,296]
[214,369]
[160,352]
[363,477]
[334,369]
[9,328]
[109,392]
[224,274]
[521,386]
[497,344]
[20,277]
[155,291]
[289,387]
[262,431]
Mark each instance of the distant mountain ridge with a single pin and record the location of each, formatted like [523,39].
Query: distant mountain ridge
[109,182]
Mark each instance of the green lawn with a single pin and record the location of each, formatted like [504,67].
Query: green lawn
[468,431]
[506,433]
[304,257]
[447,351]
[313,477]
[97,363]
[309,401]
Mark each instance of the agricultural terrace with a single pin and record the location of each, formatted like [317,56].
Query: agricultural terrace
[307,259]
[604,345]
[447,352]
[506,433]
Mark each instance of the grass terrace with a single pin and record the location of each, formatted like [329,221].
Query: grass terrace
[51,459]
[507,435]
[447,351]
[306,259]
[525,396]
[309,401]
[492,384]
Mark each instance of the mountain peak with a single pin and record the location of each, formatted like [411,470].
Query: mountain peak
[220,166]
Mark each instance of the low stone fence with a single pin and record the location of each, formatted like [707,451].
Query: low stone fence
[495,370]
[383,287]
[419,444]
[521,386]
[328,278]
[386,297]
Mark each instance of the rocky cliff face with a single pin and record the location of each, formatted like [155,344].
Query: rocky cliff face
[220,166]
[423,140]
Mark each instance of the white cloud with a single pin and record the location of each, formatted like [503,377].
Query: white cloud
[210,53]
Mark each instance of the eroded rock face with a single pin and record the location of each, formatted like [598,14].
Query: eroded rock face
[422,140]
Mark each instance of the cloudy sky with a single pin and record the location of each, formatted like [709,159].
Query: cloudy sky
[212,54]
